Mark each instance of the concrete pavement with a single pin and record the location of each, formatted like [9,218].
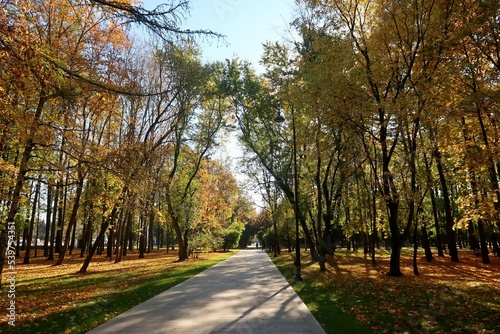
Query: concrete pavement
[243,294]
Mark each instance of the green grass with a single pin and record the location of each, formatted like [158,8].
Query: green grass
[68,302]
[321,302]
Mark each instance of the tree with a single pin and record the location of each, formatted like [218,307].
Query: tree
[200,117]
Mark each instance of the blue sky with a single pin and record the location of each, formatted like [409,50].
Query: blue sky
[246,23]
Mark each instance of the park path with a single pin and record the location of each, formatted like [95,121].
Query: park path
[244,294]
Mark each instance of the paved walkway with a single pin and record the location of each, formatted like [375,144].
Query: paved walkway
[243,294]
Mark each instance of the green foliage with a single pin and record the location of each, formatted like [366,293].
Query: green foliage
[232,235]
[204,241]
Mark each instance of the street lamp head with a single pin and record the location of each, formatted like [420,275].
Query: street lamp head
[279,119]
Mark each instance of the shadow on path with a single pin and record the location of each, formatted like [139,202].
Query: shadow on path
[243,294]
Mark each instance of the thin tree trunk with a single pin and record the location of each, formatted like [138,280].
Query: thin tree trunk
[21,177]
[32,221]
[72,219]
[159,236]
[83,246]
[434,207]
[415,248]
[60,219]
[37,230]
[183,252]
[482,241]
[25,236]
[374,228]
[73,240]
[128,237]
[151,231]
[167,241]
[61,205]
[394,263]
[426,244]
[131,237]
[53,224]
[452,244]
[111,239]
[48,219]
[473,243]
[142,238]
[100,238]
[119,236]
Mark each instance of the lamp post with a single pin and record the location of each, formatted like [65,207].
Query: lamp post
[280,119]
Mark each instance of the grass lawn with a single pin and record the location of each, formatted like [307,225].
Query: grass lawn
[60,300]
[355,297]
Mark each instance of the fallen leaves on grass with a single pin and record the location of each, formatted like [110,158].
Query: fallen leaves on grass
[45,292]
[446,297]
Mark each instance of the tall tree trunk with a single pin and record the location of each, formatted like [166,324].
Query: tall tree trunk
[25,236]
[491,168]
[60,216]
[18,246]
[119,236]
[159,237]
[411,136]
[83,245]
[394,264]
[151,231]
[374,227]
[48,218]
[426,244]
[142,238]
[439,242]
[32,221]
[72,219]
[450,224]
[37,231]
[317,178]
[392,205]
[100,238]
[87,230]
[73,240]
[111,239]
[61,206]
[439,238]
[473,243]
[53,224]
[181,245]
[131,237]
[167,241]
[415,248]
[183,252]
[21,177]
[128,232]
[482,240]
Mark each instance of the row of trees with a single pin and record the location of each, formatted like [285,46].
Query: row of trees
[106,136]
[394,108]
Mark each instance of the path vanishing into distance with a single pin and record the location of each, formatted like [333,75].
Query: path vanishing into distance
[243,294]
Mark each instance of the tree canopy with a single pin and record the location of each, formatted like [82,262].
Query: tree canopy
[390,135]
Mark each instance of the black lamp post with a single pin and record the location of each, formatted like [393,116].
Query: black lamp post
[280,119]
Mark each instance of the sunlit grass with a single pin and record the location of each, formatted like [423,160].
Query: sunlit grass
[321,302]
